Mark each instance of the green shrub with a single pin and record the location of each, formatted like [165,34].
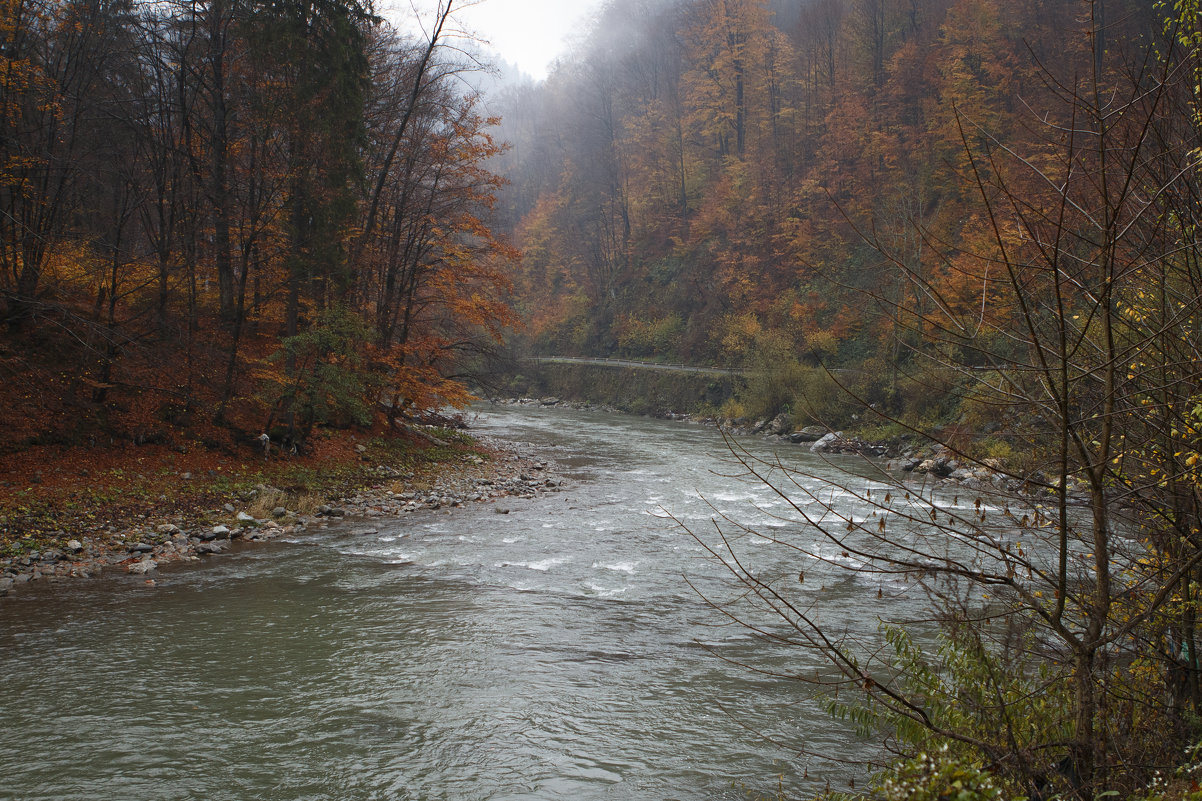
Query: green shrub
[941,778]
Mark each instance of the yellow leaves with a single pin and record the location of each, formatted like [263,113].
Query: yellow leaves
[268,373]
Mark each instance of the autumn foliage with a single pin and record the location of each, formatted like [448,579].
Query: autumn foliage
[236,217]
[712,165]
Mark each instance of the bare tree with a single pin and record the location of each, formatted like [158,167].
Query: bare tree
[1065,588]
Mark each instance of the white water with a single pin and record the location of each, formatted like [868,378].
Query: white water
[564,650]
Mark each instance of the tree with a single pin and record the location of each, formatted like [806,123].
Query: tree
[1067,607]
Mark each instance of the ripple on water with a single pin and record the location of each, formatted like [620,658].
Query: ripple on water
[545,654]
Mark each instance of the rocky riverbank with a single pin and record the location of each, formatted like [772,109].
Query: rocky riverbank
[909,454]
[266,513]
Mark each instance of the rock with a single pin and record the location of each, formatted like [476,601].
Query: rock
[501,511]
[229,507]
[206,548]
[808,434]
[961,474]
[824,442]
[549,401]
[360,449]
[779,425]
[141,547]
[186,476]
[279,511]
[220,531]
[167,528]
[143,567]
[74,545]
[6,585]
[243,517]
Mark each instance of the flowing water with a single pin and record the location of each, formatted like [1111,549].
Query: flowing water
[562,651]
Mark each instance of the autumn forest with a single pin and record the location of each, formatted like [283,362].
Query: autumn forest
[268,216]
[969,226]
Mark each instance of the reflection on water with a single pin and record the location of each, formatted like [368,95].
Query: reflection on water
[559,651]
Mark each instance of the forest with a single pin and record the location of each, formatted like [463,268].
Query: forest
[970,221]
[788,184]
[222,219]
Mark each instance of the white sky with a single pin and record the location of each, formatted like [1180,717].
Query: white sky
[529,33]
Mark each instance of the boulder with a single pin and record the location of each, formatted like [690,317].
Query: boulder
[779,425]
[808,434]
[826,442]
[75,546]
[940,467]
[143,567]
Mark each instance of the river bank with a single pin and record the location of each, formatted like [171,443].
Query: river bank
[364,484]
[905,454]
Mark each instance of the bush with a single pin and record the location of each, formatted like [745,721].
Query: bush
[941,778]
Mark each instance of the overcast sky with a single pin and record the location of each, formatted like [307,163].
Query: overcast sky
[528,33]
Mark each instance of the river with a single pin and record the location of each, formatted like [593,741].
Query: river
[562,651]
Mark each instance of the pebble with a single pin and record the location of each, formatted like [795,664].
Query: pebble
[511,475]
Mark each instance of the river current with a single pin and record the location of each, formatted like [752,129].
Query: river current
[565,650]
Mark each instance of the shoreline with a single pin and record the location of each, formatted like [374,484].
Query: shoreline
[911,455]
[269,513]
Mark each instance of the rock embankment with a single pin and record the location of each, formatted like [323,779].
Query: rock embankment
[266,513]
